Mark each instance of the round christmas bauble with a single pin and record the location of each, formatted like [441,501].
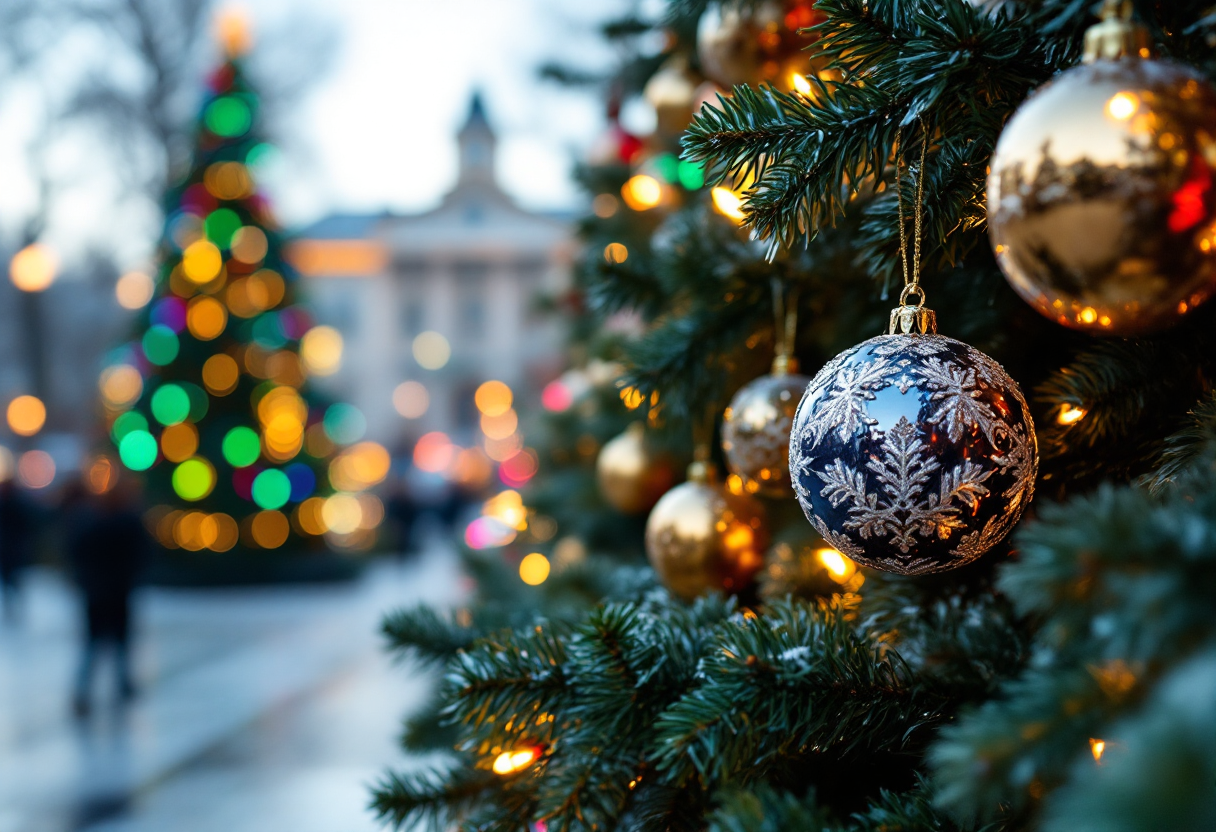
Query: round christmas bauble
[1101,199]
[756,432]
[913,453]
[738,44]
[701,537]
[672,92]
[631,476]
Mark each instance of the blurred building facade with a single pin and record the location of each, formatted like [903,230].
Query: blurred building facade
[471,270]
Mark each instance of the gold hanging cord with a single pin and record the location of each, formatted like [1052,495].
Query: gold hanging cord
[785,327]
[906,318]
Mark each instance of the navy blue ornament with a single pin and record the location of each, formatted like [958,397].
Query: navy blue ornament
[913,453]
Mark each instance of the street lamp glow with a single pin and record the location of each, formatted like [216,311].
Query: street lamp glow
[33,268]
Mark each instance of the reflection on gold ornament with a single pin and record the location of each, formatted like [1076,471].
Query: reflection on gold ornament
[630,475]
[738,44]
[756,429]
[808,571]
[1101,195]
[672,91]
[701,537]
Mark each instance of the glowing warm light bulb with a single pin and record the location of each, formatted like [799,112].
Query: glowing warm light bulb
[321,350]
[1097,748]
[616,253]
[727,203]
[26,415]
[133,290]
[233,31]
[800,84]
[431,350]
[1070,414]
[33,268]
[411,400]
[534,569]
[493,398]
[642,192]
[510,762]
[1122,106]
[840,568]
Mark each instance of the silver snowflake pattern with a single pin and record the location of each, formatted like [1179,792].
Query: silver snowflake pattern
[906,507]
[926,480]
[843,407]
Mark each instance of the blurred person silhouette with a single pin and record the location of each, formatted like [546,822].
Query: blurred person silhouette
[16,523]
[402,511]
[107,545]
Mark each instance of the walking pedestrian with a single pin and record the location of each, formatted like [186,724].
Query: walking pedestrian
[15,525]
[108,545]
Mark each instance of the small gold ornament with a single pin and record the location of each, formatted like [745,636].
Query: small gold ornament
[738,44]
[756,425]
[630,475]
[1101,195]
[701,537]
[672,92]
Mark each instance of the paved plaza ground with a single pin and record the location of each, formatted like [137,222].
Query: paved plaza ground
[261,710]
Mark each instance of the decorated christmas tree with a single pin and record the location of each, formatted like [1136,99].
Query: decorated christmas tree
[917,589]
[213,399]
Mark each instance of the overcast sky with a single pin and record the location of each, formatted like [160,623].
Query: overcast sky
[378,131]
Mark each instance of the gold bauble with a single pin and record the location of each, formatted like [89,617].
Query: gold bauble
[631,477]
[1101,199]
[761,44]
[672,92]
[756,430]
[701,537]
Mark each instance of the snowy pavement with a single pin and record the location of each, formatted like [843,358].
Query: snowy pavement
[261,710]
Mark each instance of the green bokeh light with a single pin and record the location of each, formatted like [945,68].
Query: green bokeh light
[271,489]
[130,421]
[199,401]
[692,177]
[344,423]
[667,166]
[242,447]
[228,117]
[193,479]
[220,225]
[170,404]
[137,450]
[160,344]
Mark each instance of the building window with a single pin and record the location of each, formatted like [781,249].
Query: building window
[413,319]
[410,266]
[472,315]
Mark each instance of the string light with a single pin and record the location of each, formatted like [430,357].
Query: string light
[493,398]
[431,350]
[1097,748]
[534,569]
[510,762]
[1070,414]
[840,568]
[133,290]
[642,192]
[26,415]
[33,268]
[321,350]
[410,399]
[728,203]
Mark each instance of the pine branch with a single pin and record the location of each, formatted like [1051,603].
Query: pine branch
[1188,446]
[433,800]
[795,682]
[426,634]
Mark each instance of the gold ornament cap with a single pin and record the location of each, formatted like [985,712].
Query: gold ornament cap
[912,318]
[1117,36]
[784,365]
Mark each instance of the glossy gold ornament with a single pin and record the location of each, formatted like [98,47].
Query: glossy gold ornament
[756,429]
[672,92]
[1101,198]
[738,44]
[631,476]
[701,537]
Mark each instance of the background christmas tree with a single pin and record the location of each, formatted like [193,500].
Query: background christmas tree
[213,399]
[1062,682]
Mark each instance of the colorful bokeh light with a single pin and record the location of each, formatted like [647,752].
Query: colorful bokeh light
[26,415]
[193,479]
